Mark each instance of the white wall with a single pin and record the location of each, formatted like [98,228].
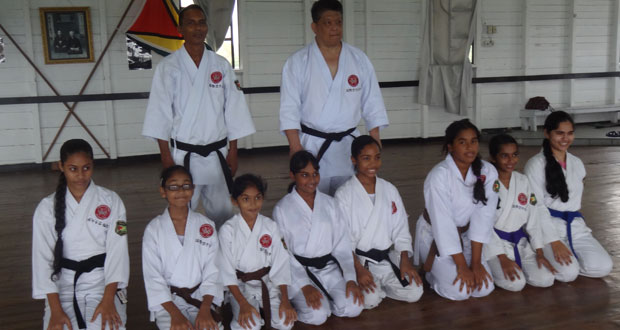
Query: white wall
[533,37]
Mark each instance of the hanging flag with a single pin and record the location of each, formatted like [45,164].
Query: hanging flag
[155,27]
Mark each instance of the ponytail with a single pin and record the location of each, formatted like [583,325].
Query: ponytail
[554,176]
[59,214]
[479,193]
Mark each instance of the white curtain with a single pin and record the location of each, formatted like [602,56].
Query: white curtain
[219,16]
[445,70]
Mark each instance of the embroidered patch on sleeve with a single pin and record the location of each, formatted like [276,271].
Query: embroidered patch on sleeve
[394,209]
[121,227]
[496,186]
[533,200]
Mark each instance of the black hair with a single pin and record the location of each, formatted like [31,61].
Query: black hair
[360,142]
[68,148]
[168,172]
[299,161]
[321,6]
[496,143]
[452,131]
[554,177]
[188,8]
[244,181]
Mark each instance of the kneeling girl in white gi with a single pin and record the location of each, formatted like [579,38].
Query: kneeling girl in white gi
[322,268]
[515,252]
[255,266]
[179,249]
[379,230]
[80,261]
[557,176]
[459,217]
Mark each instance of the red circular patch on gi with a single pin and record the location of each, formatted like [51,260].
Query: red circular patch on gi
[522,199]
[483,178]
[206,230]
[265,241]
[216,77]
[102,212]
[353,80]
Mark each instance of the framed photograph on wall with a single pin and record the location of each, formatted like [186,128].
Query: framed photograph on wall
[66,33]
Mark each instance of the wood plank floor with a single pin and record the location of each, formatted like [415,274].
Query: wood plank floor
[583,304]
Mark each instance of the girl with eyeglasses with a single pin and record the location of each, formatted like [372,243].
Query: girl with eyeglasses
[179,250]
[80,260]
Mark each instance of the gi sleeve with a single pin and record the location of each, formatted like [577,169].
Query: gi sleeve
[236,113]
[290,98]
[159,110]
[533,228]
[226,259]
[116,266]
[373,107]
[211,279]
[298,272]
[43,242]
[157,289]
[280,273]
[494,247]
[401,236]
[342,245]
[437,197]
[483,218]
[343,201]
[535,171]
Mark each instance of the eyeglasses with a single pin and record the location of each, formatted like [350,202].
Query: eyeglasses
[174,187]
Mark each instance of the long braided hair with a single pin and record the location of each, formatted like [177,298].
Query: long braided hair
[69,148]
[452,131]
[554,176]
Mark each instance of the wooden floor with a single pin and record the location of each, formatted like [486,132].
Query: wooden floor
[583,304]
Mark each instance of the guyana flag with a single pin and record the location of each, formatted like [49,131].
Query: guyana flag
[155,27]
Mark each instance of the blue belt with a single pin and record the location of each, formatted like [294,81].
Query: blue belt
[567,216]
[513,237]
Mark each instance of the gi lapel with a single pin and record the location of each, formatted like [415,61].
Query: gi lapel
[192,106]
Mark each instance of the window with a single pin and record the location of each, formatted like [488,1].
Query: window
[230,46]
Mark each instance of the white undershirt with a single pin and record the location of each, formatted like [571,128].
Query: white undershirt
[372,198]
[181,238]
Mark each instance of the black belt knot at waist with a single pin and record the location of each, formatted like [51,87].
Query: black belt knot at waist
[258,275]
[204,151]
[380,255]
[186,294]
[329,138]
[81,267]
[320,263]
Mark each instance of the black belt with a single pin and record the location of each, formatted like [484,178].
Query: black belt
[320,263]
[380,255]
[80,267]
[329,138]
[204,151]
[258,275]
[186,294]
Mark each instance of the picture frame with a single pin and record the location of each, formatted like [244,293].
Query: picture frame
[67,35]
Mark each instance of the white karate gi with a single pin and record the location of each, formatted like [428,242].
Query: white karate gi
[309,96]
[314,233]
[593,260]
[380,225]
[199,106]
[248,251]
[166,262]
[450,204]
[518,207]
[90,230]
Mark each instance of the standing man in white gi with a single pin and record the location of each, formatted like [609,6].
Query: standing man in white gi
[327,87]
[195,104]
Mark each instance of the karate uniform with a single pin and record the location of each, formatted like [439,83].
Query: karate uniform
[312,233]
[450,204]
[247,251]
[309,96]
[593,260]
[167,262]
[518,208]
[379,225]
[96,224]
[199,106]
